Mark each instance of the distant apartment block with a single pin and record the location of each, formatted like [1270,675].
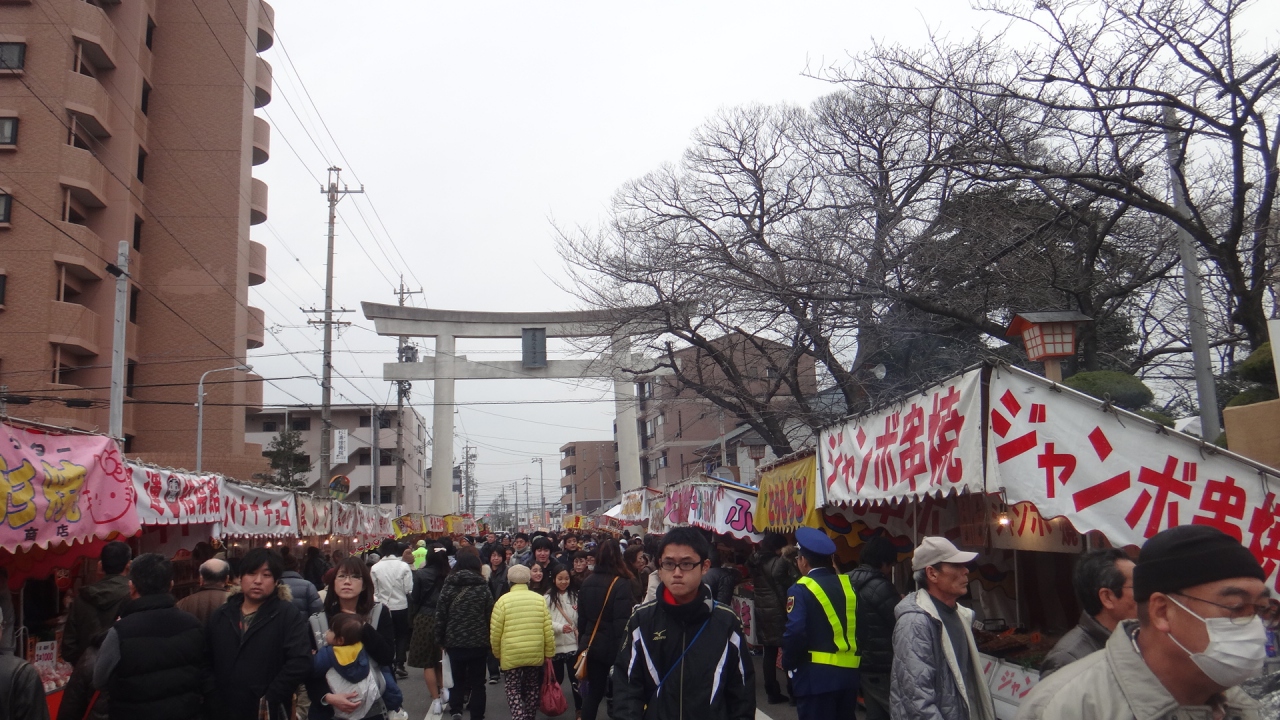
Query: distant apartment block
[588,475]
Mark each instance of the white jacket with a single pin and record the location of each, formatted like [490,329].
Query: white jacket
[566,642]
[392,583]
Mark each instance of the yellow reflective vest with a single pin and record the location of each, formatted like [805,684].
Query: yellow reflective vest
[846,654]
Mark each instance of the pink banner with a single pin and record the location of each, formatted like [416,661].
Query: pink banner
[62,489]
[167,497]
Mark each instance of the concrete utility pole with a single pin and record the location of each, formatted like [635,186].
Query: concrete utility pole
[528,505]
[118,360]
[515,494]
[469,485]
[542,488]
[334,194]
[375,427]
[1207,394]
[405,353]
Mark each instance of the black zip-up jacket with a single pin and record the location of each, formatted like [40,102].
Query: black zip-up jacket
[877,598]
[427,585]
[714,681]
[269,660]
[462,613]
[163,671]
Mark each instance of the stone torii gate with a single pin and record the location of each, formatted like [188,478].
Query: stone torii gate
[446,326]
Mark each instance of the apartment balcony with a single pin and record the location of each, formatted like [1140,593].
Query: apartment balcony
[80,171]
[261,140]
[257,202]
[90,26]
[255,334]
[262,84]
[83,247]
[88,102]
[253,393]
[74,327]
[257,263]
[266,26]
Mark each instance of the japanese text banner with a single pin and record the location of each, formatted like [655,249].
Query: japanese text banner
[930,444]
[787,497]
[315,517]
[735,515]
[344,519]
[166,497]
[258,511]
[62,488]
[1057,449]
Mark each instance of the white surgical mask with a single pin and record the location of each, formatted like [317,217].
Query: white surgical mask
[1234,654]
[591,567]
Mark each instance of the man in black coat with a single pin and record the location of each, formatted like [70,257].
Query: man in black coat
[684,655]
[21,691]
[877,598]
[259,643]
[153,659]
[771,575]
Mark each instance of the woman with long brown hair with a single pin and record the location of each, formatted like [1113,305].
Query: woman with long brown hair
[350,592]
[604,606]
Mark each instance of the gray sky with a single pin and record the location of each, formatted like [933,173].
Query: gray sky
[474,127]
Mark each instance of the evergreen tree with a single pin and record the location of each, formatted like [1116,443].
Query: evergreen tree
[289,464]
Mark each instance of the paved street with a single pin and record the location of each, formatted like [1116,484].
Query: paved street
[416,700]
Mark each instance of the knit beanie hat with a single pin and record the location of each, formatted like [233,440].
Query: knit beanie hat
[518,575]
[1190,555]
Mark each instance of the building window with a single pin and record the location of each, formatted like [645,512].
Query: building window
[304,460]
[9,131]
[130,377]
[151,31]
[384,457]
[142,165]
[128,444]
[137,233]
[4,280]
[146,97]
[364,457]
[133,305]
[662,461]
[388,495]
[6,206]
[384,421]
[301,424]
[269,426]
[13,55]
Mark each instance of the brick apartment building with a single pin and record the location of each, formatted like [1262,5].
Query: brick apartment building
[133,120]
[675,424]
[588,473]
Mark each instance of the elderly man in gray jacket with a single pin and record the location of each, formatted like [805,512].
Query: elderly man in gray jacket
[1203,612]
[937,674]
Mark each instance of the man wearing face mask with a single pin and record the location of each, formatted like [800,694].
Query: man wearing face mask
[1203,610]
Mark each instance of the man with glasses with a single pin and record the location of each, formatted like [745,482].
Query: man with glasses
[819,644]
[684,655]
[1203,612]
[936,673]
[1103,582]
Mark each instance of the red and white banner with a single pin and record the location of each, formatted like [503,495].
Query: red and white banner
[387,521]
[166,497]
[1118,473]
[315,517]
[344,519]
[928,445]
[257,511]
[367,521]
[62,489]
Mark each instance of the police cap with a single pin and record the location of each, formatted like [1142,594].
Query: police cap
[815,541]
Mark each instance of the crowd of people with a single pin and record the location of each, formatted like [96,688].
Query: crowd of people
[646,625]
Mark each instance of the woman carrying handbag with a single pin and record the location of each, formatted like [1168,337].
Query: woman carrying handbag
[604,606]
[562,603]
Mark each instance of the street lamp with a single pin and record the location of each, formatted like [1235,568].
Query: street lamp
[1047,337]
[200,410]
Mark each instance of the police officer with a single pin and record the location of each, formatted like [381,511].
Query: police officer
[819,647]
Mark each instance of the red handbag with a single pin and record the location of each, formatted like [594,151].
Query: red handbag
[552,702]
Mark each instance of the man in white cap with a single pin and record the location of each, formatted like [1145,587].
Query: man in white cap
[936,670]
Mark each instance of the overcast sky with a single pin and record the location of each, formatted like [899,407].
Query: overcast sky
[474,127]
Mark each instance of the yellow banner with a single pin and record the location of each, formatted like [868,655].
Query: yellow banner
[411,524]
[787,496]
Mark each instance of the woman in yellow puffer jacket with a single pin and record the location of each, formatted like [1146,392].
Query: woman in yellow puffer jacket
[522,639]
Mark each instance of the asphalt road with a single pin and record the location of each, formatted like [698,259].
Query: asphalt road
[417,701]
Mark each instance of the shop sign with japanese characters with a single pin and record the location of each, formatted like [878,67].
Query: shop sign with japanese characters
[167,497]
[62,488]
[314,516]
[929,444]
[735,515]
[1118,474]
[788,496]
[257,511]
